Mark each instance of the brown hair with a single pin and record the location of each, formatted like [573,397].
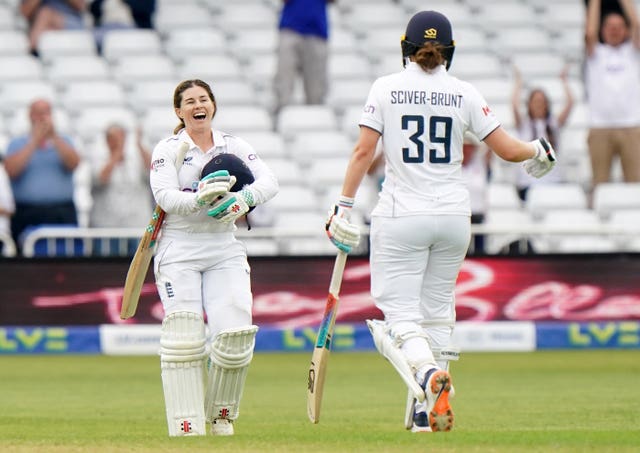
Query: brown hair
[430,56]
[547,116]
[181,88]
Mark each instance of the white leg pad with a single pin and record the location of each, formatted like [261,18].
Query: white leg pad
[231,354]
[182,352]
[387,347]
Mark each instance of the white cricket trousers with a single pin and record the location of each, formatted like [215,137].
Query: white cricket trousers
[205,271]
[415,261]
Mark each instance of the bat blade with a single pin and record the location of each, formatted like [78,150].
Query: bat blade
[320,357]
[140,265]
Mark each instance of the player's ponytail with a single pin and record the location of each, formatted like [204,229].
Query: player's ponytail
[430,56]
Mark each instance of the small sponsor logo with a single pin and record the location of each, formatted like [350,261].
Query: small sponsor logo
[185,426]
[169,289]
[158,163]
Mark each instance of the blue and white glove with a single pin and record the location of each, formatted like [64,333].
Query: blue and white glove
[544,160]
[212,186]
[231,206]
[341,232]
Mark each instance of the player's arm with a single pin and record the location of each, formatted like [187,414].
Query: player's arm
[361,160]
[538,155]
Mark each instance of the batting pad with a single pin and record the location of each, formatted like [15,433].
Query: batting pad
[386,346]
[182,350]
[231,354]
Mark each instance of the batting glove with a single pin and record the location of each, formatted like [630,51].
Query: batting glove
[213,186]
[341,232]
[543,161]
[231,206]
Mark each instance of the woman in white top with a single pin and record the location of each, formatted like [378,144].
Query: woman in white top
[201,268]
[539,121]
[420,228]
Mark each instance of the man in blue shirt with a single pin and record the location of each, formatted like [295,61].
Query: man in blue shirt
[40,165]
[302,50]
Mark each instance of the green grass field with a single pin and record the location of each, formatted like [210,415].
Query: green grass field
[535,402]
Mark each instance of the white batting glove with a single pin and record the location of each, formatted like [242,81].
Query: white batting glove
[543,161]
[212,186]
[342,233]
[231,206]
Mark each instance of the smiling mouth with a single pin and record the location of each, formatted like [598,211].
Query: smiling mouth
[200,116]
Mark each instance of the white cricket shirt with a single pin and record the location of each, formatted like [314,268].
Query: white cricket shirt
[422,118]
[175,192]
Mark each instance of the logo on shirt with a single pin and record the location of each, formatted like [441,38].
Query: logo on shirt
[156,164]
[369,108]
[169,289]
[486,110]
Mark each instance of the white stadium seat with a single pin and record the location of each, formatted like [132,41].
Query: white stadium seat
[20,68]
[56,43]
[612,196]
[298,118]
[124,42]
[83,68]
[543,198]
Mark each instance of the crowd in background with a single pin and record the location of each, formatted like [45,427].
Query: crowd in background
[37,172]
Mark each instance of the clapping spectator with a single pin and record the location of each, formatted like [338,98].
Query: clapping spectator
[613,91]
[43,15]
[538,120]
[120,188]
[40,165]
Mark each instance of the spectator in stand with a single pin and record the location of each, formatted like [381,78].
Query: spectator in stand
[40,165]
[43,15]
[539,121]
[141,11]
[613,91]
[302,50]
[120,188]
[7,204]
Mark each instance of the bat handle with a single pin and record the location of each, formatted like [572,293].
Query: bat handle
[338,270]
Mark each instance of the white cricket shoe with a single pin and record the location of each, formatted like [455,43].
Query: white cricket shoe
[222,427]
[437,388]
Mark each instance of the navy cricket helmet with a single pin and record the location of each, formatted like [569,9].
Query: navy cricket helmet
[428,26]
[235,166]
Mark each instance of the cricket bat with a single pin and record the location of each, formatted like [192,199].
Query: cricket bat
[142,258]
[320,357]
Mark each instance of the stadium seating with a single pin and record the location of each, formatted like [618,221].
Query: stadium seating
[233,46]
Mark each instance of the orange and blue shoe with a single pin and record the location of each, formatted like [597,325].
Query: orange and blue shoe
[439,415]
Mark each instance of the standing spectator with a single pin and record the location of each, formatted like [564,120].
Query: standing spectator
[40,165]
[613,91]
[7,204]
[539,121]
[43,15]
[420,228]
[302,50]
[120,189]
[201,268]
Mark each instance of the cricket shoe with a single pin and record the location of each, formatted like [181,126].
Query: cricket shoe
[420,423]
[222,427]
[437,388]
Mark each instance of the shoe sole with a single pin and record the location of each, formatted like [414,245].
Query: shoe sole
[441,415]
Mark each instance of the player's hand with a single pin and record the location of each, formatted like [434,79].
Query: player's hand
[230,207]
[213,186]
[342,233]
[543,161]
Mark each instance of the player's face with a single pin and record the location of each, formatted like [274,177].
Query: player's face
[614,30]
[196,109]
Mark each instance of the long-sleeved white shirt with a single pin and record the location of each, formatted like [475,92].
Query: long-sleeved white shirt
[175,192]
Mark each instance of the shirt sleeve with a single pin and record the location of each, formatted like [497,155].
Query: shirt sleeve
[482,121]
[165,183]
[372,112]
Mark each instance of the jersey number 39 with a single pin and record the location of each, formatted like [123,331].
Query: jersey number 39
[437,134]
